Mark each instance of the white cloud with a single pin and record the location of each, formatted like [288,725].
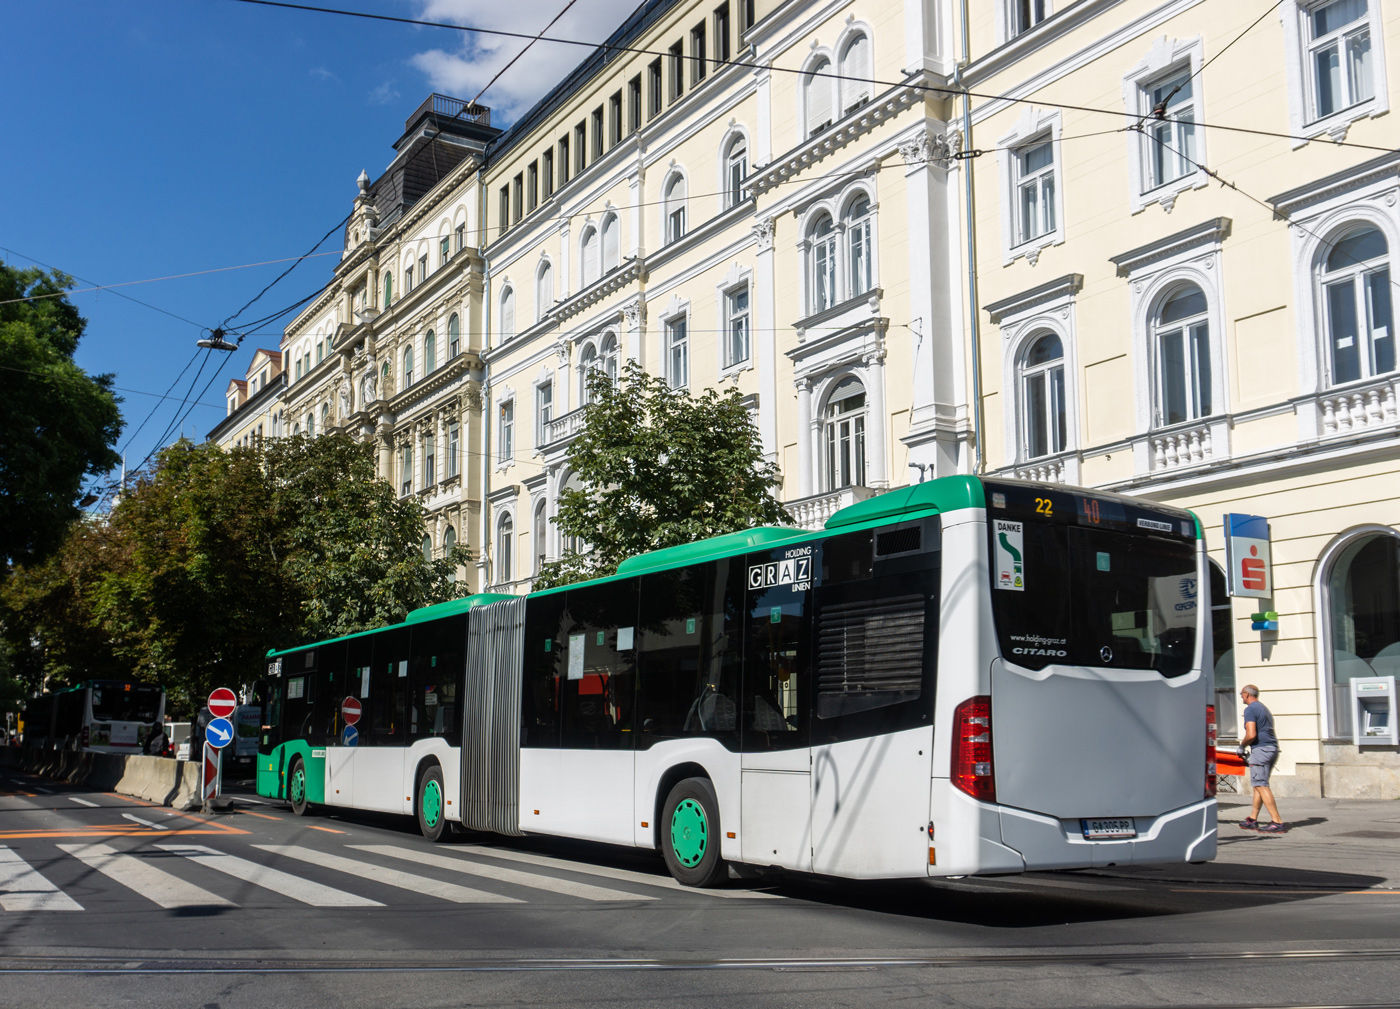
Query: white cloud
[385,94]
[322,74]
[464,70]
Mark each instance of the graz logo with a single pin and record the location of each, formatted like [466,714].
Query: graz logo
[794,571]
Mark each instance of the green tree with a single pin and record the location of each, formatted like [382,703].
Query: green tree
[659,467]
[57,423]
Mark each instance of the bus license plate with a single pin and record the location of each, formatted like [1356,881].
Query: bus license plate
[1101,830]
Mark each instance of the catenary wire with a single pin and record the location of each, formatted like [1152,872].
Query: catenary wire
[119,294]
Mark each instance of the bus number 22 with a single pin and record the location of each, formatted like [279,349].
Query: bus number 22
[1043,506]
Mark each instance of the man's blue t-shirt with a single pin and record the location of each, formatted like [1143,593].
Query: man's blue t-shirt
[1263,724]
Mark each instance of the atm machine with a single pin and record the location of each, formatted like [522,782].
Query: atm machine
[1373,711]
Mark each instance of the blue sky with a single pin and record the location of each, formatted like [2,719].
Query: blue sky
[149,138]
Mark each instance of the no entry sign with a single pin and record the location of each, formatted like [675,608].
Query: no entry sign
[222,702]
[350,710]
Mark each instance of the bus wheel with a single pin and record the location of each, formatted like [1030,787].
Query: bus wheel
[296,788]
[690,833]
[431,819]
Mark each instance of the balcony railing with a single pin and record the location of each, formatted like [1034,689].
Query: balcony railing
[1051,470]
[812,512]
[1353,410]
[445,105]
[1182,447]
[564,427]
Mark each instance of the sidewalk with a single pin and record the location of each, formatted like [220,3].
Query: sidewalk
[1351,844]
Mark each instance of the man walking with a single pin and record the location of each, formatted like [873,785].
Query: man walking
[1263,742]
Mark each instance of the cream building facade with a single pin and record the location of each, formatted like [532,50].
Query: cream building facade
[254,403]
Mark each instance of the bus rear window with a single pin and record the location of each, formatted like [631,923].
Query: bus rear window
[121,702]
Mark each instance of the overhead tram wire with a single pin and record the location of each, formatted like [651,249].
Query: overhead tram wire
[119,294]
[932,88]
[1159,110]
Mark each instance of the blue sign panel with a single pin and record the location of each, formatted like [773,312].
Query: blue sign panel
[219,733]
[351,736]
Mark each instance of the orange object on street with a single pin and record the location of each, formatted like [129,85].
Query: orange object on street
[1229,762]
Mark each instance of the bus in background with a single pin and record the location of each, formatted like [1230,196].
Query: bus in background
[101,716]
[962,676]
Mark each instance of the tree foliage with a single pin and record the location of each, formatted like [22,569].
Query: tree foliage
[57,423]
[213,557]
[659,467]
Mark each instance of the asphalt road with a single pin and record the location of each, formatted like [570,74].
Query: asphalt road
[107,901]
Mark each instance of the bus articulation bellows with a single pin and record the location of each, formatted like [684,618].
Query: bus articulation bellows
[963,676]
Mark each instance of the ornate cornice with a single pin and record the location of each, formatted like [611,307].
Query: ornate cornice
[610,283]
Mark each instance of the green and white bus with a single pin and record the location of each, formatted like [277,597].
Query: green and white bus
[962,676]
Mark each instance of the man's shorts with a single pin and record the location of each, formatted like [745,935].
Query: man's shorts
[1261,764]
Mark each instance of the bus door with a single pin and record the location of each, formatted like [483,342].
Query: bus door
[775,709]
[875,648]
[375,773]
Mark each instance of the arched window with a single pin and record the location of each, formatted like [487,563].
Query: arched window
[388,288]
[507,314]
[570,544]
[427,549]
[311,425]
[1182,335]
[588,263]
[325,416]
[860,245]
[539,535]
[1363,614]
[296,429]
[823,263]
[505,536]
[821,96]
[1043,397]
[407,367]
[736,167]
[544,291]
[429,353]
[587,365]
[608,357]
[454,336]
[612,245]
[384,389]
[1356,298]
[405,469]
[845,435]
[449,543]
[675,208]
[855,73]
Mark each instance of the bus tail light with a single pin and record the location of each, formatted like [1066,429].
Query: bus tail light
[1210,751]
[972,770]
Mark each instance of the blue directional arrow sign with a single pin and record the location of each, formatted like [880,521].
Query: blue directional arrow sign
[351,736]
[219,732]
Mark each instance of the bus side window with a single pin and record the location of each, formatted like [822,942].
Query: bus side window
[544,672]
[434,672]
[777,661]
[358,677]
[597,691]
[388,686]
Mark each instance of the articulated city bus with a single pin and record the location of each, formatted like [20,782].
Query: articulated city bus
[102,716]
[963,676]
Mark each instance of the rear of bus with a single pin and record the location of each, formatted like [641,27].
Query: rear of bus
[120,715]
[1084,734]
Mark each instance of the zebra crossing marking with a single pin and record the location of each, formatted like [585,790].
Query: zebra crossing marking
[389,877]
[303,890]
[151,882]
[23,888]
[514,876]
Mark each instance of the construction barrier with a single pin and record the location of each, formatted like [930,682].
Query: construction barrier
[155,779]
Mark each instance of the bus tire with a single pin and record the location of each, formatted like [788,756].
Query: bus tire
[431,807]
[690,833]
[296,788]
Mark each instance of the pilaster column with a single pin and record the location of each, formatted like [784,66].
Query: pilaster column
[564,274]
[805,483]
[634,325]
[763,134]
[766,336]
[877,438]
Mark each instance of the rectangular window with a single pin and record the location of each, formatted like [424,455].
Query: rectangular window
[444,251]
[597,133]
[320,351]
[678,353]
[544,411]
[563,160]
[654,88]
[517,199]
[1035,190]
[408,280]
[737,343]
[615,112]
[547,172]
[677,52]
[422,267]
[580,147]
[532,189]
[1171,134]
[721,34]
[1026,14]
[454,435]
[505,442]
[504,211]
[746,19]
[461,237]
[697,54]
[1339,55]
[634,104]
[406,469]
[429,460]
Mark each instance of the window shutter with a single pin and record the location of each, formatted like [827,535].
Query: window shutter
[869,654]
[611,256]
[819,98]
[856,64]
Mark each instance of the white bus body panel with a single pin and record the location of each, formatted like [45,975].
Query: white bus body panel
[720,764]
[579,793]
[870,809]
[776,799]
[1181,835]
[340,775]
[378,775]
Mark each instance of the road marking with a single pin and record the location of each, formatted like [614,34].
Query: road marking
[264,816]
[147,823]
[285,883]
[607,871]
[154,884]
[24,889]
[38,788]
[82,802]
[1269,890]
[514,876]
[328,830]
[389,877]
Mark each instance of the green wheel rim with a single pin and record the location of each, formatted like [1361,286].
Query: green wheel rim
[432,803]
[690,833]
[298,786]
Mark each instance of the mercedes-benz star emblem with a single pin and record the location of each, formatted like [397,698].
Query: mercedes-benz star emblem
[1106,653]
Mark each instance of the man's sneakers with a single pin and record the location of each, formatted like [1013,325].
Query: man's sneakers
[1271,828]
[1249,823]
